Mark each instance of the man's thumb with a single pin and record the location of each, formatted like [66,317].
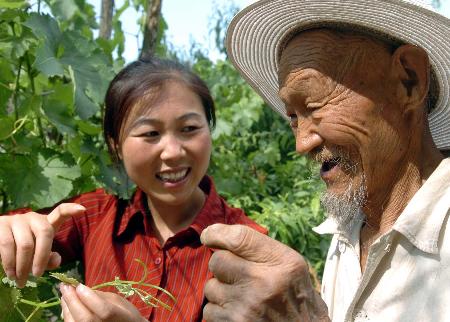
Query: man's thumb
[242,241]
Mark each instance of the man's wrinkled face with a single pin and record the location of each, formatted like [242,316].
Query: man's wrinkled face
[339,96]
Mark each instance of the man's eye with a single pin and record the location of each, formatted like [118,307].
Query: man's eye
[293,121]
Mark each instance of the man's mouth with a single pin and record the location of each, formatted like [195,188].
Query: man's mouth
[173,176]
[328,165]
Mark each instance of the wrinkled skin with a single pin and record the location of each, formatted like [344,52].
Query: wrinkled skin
[257,278]
[347,96]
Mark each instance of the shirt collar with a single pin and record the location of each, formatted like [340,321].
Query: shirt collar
[137,206]
[422,219]
[213,210]
[350,233]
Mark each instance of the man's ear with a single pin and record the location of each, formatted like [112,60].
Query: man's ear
[412,69]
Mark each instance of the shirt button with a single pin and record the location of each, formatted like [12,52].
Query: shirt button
[158,260]
[387,248]
[361,316]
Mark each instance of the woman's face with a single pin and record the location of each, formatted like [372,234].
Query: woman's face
[166,148]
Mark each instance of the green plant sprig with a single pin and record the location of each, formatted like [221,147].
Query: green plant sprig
[124,287]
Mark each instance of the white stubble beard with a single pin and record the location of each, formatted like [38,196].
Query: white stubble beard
[344,207]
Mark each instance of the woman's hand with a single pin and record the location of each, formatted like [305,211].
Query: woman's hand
[26,241]
[84,304]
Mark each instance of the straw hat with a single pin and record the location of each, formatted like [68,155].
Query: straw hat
[257,33]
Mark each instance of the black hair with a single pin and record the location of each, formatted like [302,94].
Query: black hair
[134,81]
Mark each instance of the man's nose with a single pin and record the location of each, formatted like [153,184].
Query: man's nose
[172,148]
[306,140]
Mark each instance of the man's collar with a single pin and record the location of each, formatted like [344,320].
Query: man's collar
[421,221]
[350,233]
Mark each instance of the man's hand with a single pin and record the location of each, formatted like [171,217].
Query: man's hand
[26,241]
[84,304]
[257,278]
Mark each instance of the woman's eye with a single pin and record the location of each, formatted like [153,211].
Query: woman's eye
[189,128]
[151,134]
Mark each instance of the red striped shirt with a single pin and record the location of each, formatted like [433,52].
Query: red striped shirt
[114,232]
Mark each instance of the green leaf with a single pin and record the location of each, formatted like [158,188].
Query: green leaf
[60,175]
[89,72]
[58,107]
[315,205]
[64,278]
[64,9]
[115,179]
[43,182]
[12,4]
[9,296]
[89,128]
[46,28]
[6,128]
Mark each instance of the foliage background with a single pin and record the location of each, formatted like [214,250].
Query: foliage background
[54,73]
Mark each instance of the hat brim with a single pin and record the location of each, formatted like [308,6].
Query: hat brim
[256,34]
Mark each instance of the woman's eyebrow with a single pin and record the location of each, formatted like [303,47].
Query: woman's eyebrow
[146,120]
[189,116]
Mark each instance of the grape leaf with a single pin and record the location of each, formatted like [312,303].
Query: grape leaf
[47,30]
[65,279]
[12,4]
[37,182]
[58,108]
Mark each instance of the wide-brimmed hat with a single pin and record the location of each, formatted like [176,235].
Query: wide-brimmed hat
[257,34]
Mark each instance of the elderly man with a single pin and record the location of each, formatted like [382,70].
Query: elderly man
[365,87]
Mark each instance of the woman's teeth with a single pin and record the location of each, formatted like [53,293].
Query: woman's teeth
[172,176]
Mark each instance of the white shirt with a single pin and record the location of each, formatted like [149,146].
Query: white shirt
[407,275]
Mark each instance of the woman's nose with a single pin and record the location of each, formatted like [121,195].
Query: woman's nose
[172,148]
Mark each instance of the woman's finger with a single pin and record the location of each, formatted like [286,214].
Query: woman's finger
[75,306]
[97,302]
[67,317]
[8,250]
[24,240]
[64,211]
[108,306]
[43,233]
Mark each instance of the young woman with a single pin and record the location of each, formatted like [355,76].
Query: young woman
[157,124]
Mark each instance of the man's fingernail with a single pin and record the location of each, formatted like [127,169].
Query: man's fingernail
[203,236]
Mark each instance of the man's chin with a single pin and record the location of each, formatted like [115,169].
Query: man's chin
[344,204]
